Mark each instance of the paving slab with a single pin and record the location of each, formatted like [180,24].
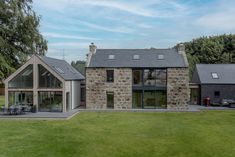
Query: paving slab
[42,115]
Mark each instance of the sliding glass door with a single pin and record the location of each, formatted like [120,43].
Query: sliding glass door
[149,99]
[50,102]
[20,98]
[137,99]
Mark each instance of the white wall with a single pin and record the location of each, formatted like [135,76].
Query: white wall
[76,94]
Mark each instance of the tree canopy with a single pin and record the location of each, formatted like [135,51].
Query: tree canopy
[19,35]
[210,50]
[79,66]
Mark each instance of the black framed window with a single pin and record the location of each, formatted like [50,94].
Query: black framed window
[110,75]
[137,99]
[160,77]
[137,77]
[217,94]
[110,100]
[149,77]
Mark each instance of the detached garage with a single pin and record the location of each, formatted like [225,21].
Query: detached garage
[214,81]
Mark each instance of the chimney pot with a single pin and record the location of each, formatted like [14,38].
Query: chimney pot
[180,48]
[92,48]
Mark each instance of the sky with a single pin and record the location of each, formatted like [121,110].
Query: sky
[70,26]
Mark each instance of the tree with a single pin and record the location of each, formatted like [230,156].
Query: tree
[210,50]
[79,66]
[19,35]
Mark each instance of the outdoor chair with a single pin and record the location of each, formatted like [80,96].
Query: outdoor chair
[11,110]
[4,110]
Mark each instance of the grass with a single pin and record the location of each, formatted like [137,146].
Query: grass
[204,134]
[2,100]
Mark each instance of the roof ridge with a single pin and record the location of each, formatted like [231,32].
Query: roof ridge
[53,58]
[215,64]
[135,49]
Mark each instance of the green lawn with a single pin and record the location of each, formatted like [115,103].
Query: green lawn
[201,134]
[2,100]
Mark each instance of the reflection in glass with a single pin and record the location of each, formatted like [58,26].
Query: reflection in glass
[24,79]
[110,75]
[149,77]
[137,77]
[20,98]
[137,99]
[155,99]
[50,102]
[47,80]
[110,100]
[161,99]
[149,99]
[160,77]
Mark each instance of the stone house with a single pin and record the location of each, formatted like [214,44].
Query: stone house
[215,81]
[51,85]
[137,78]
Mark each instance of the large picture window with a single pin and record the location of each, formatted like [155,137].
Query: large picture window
[149,77]
[20,98]
[50,102]
[149,99]
[24,79]
[160,77]
[47,80]
[154,99]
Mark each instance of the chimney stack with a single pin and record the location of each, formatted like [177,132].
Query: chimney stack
[92,48]
[92,51]
[181,50]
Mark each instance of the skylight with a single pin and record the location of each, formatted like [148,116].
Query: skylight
[59,70]
[214,75]
[160,57]
[111,56]
[136,57]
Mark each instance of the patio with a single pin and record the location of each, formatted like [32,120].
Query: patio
[41,115]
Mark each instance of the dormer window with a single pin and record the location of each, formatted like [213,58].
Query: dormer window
[160,57]
[111,57]
[136,57]
[214,75]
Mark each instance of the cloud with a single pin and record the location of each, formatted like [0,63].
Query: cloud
[121,29]
[163,8]
[80,45]
[144,25]
[56,35]
[73,24]
[221,21]
[128,7]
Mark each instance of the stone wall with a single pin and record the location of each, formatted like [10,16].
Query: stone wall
[96,88]
[178,93]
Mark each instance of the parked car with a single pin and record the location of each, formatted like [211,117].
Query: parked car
[228,102]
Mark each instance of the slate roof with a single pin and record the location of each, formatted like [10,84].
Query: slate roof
[225,72]
[148,58]
[62,68]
